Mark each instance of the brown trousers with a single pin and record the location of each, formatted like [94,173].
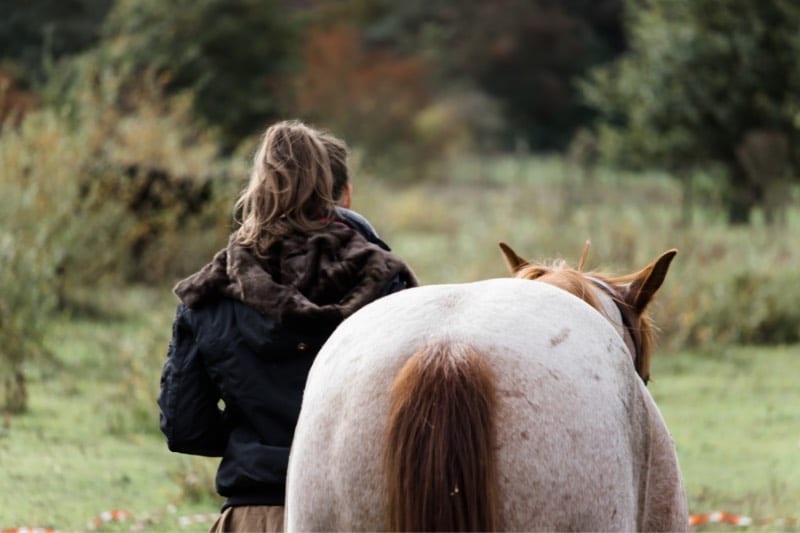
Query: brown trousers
[249,518]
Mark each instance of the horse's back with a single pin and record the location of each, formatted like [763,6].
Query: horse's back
[573,421]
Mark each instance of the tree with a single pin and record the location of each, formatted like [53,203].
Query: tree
[229,53]
[369,96]
[526,54]
[35,31]
[706,84]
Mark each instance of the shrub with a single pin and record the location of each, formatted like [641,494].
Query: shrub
[149,169]
[79,208]
[36,223]
[24,307]
[744,307]
[366,95]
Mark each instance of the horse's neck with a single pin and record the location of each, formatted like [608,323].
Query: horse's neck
[610,309]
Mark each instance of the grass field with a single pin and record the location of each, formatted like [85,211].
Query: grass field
[90,441]
[735,420]
[80,451]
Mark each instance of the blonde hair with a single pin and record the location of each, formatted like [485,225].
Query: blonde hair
[290,188]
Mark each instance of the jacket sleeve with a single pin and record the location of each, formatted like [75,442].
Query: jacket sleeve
[190,417]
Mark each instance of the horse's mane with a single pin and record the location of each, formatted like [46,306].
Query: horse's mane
[581,284]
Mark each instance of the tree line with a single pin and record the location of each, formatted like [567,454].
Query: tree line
[686,85]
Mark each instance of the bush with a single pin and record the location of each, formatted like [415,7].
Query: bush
[99,190]
[745,307]
[367,96]
[149,170]
[231,54]
[25,304]
[37,226]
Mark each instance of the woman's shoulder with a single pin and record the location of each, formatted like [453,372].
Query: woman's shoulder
[359,223]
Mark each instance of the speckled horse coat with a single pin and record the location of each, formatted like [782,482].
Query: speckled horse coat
[506,404]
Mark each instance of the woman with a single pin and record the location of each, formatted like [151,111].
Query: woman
[250,322]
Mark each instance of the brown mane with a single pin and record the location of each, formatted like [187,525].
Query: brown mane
[581,285]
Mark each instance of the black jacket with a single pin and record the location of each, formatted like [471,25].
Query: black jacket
[244,337]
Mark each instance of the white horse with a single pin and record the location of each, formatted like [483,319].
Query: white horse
[506,404]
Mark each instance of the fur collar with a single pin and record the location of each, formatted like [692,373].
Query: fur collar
[324,276]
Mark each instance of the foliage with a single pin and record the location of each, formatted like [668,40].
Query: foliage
[34,33]
[525,55]
[24,309]
[39,228]
[15,100]
[702,77]
[231,54]
[367,96]
[383,103]
[74,213]
[238,57]
[745,303]
[146,158]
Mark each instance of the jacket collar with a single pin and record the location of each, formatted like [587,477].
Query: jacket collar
[324,275]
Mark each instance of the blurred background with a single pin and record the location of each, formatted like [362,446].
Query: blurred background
[127,129]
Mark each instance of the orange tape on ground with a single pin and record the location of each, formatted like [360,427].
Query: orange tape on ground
[121,515]
[116,515]
[721,517]
[30,530]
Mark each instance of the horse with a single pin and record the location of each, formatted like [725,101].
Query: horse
[515,403]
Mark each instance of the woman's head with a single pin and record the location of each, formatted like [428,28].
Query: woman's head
[291,185]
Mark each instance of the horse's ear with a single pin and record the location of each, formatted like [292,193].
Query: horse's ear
[513,261]
[648,280]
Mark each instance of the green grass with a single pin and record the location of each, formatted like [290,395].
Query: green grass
[90,442]
[735,420]
[61,468]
